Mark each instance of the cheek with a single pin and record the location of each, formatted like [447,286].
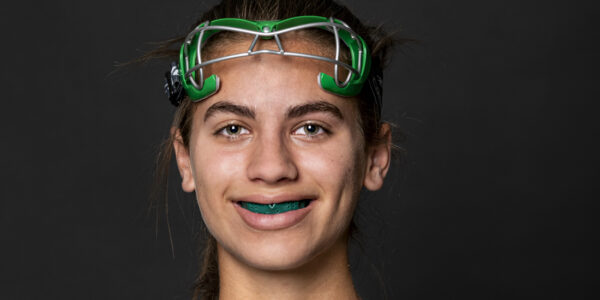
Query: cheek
[336,167]
[213,170]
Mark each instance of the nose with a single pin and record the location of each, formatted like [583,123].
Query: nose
[271,161]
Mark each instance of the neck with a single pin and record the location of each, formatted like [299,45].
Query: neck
[327,276]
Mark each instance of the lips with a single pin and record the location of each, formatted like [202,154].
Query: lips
[270,199]
[273,212]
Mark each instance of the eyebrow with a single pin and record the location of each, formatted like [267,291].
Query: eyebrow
[292,112]
[319,106]
[228,107]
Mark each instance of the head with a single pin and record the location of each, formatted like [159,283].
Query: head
[272,140]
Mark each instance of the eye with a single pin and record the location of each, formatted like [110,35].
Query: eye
[232,131]
[310,129]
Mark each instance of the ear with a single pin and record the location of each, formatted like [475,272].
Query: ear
[182,155]
[378,159]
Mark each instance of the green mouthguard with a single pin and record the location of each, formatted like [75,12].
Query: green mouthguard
[191,64]
[275,208]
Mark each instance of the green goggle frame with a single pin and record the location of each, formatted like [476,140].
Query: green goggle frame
[191,64]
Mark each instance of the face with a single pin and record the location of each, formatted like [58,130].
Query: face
[276,162]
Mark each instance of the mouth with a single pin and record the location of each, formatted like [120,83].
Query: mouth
[274,212]
[274,208]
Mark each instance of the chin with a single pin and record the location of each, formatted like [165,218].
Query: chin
[277,252]
[282,258]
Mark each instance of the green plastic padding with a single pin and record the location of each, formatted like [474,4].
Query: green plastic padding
[327,82]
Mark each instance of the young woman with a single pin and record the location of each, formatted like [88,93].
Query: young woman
[277,130]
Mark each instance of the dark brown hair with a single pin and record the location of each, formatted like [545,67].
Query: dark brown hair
[206,285]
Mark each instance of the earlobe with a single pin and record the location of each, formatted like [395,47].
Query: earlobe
[182,157]
[378,160]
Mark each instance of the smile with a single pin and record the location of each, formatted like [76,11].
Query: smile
[274,208]
[274,213]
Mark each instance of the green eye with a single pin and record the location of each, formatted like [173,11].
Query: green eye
[233,130]
[310,130]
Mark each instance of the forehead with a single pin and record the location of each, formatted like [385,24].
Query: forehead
[272,82]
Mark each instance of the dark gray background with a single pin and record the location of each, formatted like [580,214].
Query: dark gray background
[494,201]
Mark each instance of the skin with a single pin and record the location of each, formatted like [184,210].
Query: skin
[274,153]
